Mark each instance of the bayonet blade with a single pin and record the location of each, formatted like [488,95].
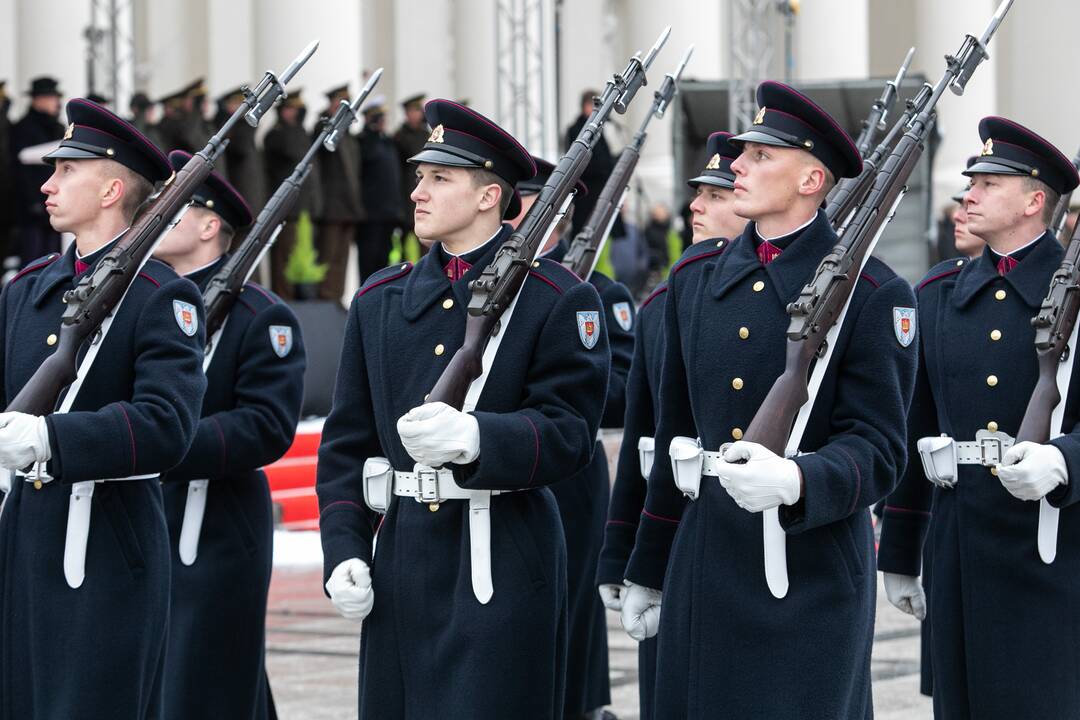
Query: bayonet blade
[294,67]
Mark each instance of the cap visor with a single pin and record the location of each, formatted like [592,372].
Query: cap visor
[989,167]
[762,138]
[65,153]
[720,182]
[440,157]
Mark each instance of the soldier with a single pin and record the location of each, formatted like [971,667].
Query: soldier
[471,596]
[242,164]
[712,219]
[998,611]
[598,170]
[410,138]
[966,243]
[284,147]
[98,99]
[133,418]
[254,386]
[180,128]
[342,205]
[583,499]
[380,173]
[34,236]
[726,645]
[142,111]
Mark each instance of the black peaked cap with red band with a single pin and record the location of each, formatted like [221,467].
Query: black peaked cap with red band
[1011,149]
[787,118]
[537,182]
[462,137]
[719,154]
[215,193]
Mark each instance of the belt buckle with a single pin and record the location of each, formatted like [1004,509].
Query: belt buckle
[991,447]
[427,482]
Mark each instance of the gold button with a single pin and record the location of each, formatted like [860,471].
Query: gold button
[736,433]
[991,380]
[959,263]
[448,303]
[993,471]
[439,349]
[737,383]
[992,426]
[536,263]
[433,507]
[999,295]
[995,335]
[37,485]
[744,332]
[404,266]
[759,286]
[51,340]
[719,243]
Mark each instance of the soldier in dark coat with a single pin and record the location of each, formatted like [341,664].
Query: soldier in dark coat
[727,646]
[1002,638]
[181,126]
[222,555]
[92,591]
[467,592]
[380,173]
[242,162]
[342,204]
[409,139]
[583,498]
[284,147]
[712,219]
[34,236]
[142,111]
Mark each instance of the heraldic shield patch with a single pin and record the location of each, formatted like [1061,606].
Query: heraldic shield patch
[588,328]
[186,317]
[281,339]
[904,325]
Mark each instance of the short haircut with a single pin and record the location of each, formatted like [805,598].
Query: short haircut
[226,232]
[482,177]
[1052,196]
[136,188]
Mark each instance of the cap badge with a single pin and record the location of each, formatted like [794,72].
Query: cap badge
[69,131]
[436,135]
[760,117]
[988,148]
[714,162]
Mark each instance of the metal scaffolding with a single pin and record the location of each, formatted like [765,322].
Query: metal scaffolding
[110,50]
[524,78]
[750,56]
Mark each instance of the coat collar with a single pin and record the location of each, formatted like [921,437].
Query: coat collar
[427,282]
[63,271]
[201,276]
[1030,279]
[788,273]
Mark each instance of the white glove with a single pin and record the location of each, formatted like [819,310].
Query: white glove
[350,589]
[24,440]
[435,434]
[906,594]
[640,611]
[1030,470]
[612,596]
[764,481]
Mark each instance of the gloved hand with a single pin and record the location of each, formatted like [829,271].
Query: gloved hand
[350,589]
[906,594]
[612,595]
[1030,470]
[435,434]
[764,481]
[640,611]
[24,440]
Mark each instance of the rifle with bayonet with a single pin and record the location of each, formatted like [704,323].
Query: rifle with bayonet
[499,283]
[98,292]
[1061,210]
[585,249]
[818,311]
[879,112]
[225,286]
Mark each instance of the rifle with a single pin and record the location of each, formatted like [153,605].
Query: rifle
[585,249]
[225,286]
[1061,210]
[98,293]
[818,313]
[875,121]
[498,284]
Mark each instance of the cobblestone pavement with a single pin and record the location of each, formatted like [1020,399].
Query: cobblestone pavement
[312,657]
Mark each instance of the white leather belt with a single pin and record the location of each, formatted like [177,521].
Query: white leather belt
[941,455]
[434,487]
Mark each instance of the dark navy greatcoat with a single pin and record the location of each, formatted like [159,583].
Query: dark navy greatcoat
[429,648]
[727,647]
[1005,637]
[628,492]
[97,651]
[214,665]
[583,504]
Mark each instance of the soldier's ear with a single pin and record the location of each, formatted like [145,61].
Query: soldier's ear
[491,197]
[112,192]
[1035,203]
[812,180]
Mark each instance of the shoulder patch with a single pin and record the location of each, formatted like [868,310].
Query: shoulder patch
[384,276]
[904,321]
[186,317]
[624,315]
[35,265]
[588,324]
[281,339]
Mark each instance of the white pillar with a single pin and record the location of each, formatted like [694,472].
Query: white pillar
[48,42]
[424,48]
[230,39]
[9,33]
[172,48]
[831,41]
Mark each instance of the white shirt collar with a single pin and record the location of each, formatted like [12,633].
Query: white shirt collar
[790,232]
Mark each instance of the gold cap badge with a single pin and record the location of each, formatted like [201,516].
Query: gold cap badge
[760,117]
[988,148]
[714,162]
[436,135]
[69,131]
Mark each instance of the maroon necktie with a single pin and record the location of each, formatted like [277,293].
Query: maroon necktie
[767,252]
[1005,264]
[80,267]
[456,269]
